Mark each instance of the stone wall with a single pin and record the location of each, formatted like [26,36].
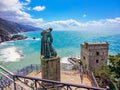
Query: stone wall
[51,68]
[94,55]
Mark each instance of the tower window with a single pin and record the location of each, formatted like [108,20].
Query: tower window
[103,53]
[97,61]
[97,53]
[84,58]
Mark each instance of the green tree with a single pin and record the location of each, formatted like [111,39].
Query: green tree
[114,65]
[109,75]
[104,77]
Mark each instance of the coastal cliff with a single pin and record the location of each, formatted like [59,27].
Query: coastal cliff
[14,28]
[5,36]
[7,28]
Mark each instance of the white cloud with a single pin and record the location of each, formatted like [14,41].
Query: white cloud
[28,1]
[84,15]
[29,8]
[10,5]
[13,10]
[106,24]
[39,8]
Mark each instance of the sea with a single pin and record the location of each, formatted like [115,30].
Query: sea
[20,53]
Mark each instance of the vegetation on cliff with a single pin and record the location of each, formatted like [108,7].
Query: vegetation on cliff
[109,75]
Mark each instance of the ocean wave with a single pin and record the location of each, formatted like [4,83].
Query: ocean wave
[64,60]
[10,54]
[36,39]
[3,43]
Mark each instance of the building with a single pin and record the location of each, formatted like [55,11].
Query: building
[94,55]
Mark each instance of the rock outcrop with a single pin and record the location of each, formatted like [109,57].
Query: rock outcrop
[18,37]
[5,36]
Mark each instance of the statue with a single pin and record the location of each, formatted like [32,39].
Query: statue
[47,49]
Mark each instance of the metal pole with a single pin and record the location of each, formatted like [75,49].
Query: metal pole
[14,83]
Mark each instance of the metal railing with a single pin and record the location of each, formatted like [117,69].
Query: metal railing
[44,84]
[7,80]
[19,81]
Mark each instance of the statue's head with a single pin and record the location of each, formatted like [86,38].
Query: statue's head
[45,32]
[50,29]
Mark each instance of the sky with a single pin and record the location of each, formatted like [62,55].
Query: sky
[63,14]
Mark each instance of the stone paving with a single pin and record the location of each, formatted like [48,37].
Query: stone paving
[68,77]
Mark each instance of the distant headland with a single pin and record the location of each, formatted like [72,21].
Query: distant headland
[7,28]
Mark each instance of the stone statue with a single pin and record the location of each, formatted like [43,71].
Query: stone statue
[47,49]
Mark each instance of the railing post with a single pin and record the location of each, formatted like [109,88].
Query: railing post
[14,83]
[36,84]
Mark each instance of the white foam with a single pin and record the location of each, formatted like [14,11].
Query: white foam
[36,39]
[64,60]
[3,43]
[10,54]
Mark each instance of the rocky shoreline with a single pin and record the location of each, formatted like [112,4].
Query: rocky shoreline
[6,36]
[8,27]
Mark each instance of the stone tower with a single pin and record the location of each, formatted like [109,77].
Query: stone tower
[94,55]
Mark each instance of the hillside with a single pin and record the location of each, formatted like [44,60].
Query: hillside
[7,28]
[14,28]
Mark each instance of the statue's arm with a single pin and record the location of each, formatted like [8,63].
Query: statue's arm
[51,38]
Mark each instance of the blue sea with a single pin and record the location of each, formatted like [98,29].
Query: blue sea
[17,54]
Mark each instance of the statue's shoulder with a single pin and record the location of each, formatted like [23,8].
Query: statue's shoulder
[43,32]
[46,32]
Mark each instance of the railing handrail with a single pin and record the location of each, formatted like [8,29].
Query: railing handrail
[12,80]
[6,76]
[94,79]
[9,73]
[57,82]
[6,70]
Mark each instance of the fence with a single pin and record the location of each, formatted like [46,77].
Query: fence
[44,84]
[7,80]
[11,81]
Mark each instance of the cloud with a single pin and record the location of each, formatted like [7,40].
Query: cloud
[106,24]
[28,1]
[39,8]
[13,10]
[84,15]
[29,8]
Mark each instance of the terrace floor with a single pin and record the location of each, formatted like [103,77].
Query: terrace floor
[72,77]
